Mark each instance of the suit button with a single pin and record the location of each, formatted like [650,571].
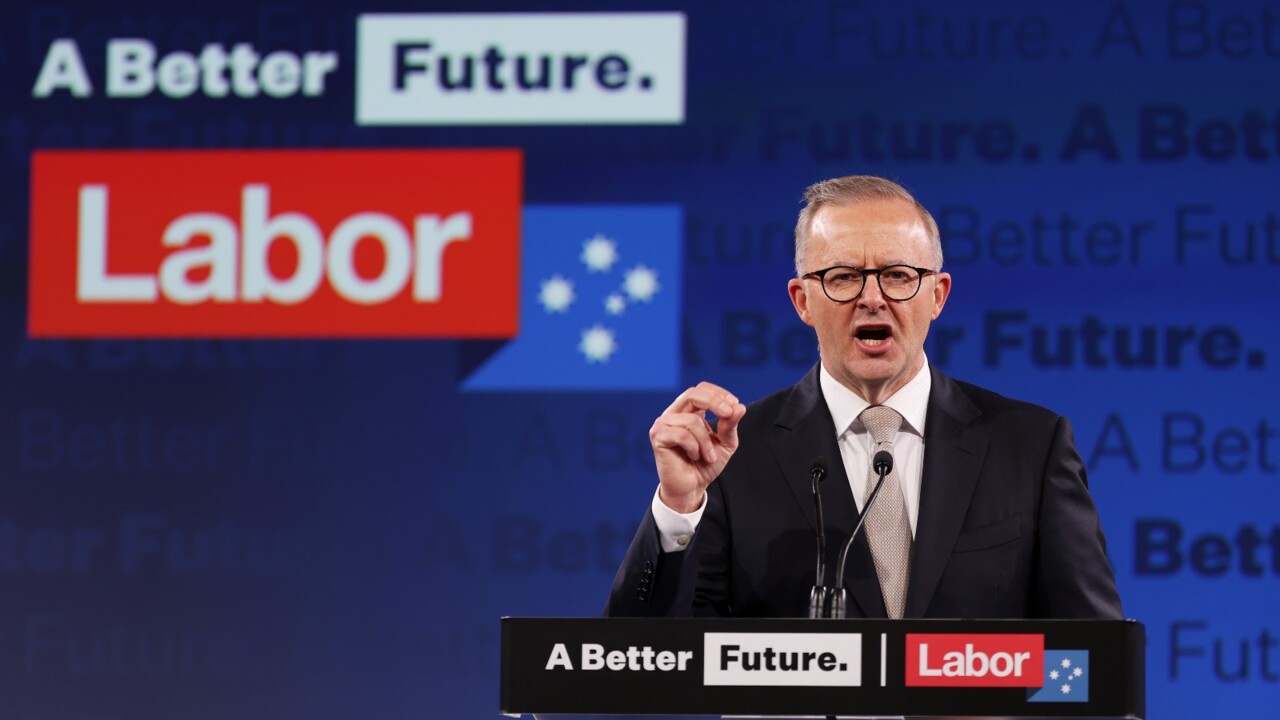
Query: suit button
[645,583]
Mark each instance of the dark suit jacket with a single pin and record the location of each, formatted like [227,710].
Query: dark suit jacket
[1006,526]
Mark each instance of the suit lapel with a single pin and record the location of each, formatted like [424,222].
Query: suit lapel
[803,431]
[953,456]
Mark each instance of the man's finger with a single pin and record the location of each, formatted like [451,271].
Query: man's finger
[705,397]
[686,431]
[727,427]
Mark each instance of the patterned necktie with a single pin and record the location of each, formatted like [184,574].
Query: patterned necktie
[887,526]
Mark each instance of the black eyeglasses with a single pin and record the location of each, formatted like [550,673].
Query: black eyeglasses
[844,284]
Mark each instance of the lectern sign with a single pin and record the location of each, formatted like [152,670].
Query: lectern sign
[804,659]
[798,667]
[974,660]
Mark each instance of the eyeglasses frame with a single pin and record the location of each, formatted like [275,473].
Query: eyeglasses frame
[821,276]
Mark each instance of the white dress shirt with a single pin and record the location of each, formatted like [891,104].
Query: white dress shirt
[911,401]
[856,445]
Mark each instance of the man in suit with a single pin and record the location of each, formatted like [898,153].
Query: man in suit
[986,513]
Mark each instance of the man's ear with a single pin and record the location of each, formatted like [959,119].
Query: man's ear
[800,299]
[941,290]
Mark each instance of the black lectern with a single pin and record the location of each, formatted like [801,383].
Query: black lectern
[790,668]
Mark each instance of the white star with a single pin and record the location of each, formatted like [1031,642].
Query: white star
[556,295]
[597,344]
[641,283]
[1066,662]
[599,253]
[1077,672]
[1053,674]
[615,304]
[1066,689]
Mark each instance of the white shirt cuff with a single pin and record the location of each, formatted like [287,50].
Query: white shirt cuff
[675,530]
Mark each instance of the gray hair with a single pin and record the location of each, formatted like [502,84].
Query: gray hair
[853,189]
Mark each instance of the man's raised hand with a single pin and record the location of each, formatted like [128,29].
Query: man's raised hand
[690,453]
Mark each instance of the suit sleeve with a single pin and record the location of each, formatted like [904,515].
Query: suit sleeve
[654,583]
[650,582]
[1073,576]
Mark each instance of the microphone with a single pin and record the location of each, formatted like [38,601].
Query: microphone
[819,597]
[882,463]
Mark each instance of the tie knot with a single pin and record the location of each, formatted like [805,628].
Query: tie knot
[882,422]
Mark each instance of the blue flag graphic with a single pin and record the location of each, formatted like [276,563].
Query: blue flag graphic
[599,302]
[1066,677]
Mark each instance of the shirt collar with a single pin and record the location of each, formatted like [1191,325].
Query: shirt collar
[911,401]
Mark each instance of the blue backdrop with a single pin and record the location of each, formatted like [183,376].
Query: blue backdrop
[329,528]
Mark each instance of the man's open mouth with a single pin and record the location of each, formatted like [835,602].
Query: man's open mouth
[872,336]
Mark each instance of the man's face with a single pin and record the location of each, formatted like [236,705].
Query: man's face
[872,345]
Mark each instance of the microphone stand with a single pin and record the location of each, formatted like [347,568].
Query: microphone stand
[820,596]
[883,465]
